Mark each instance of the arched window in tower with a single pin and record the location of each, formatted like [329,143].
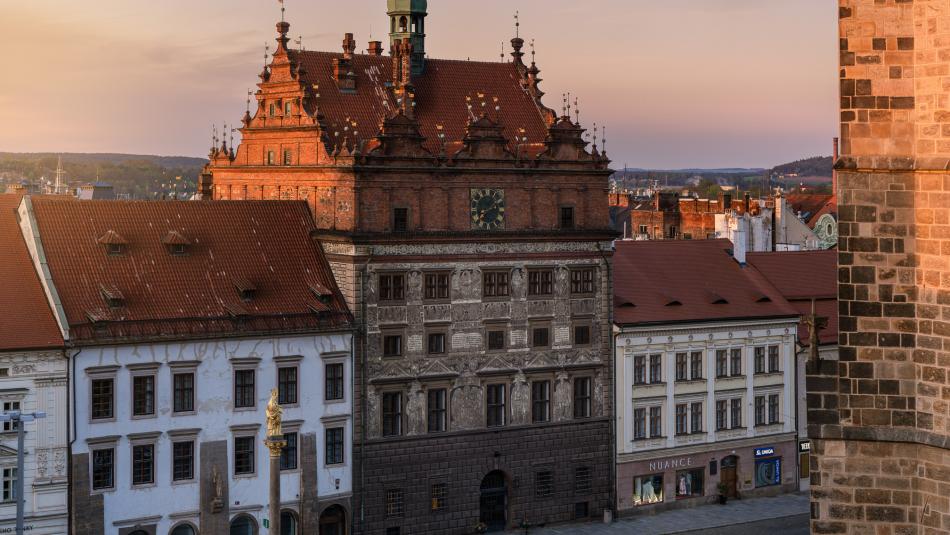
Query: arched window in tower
[403,24]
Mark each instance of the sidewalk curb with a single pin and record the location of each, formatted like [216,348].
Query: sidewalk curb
[705,528]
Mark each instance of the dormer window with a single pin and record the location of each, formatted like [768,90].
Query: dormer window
[245,289]
[115,249]
[114,243]
[322,293]
[112,295]
[175,243]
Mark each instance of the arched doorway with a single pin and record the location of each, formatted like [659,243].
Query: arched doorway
[243,525]
[184,529]
[728,475]
[333,521]
[288,523]
[494,501]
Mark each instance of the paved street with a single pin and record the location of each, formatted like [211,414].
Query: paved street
[782,515]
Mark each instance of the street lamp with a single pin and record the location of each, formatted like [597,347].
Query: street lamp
[18,419]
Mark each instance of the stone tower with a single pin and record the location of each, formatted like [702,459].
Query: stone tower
[881,462]
[407,20]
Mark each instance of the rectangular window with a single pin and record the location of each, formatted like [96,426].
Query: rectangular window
[243,455]
[736,361]
[392,287]
[287,385]
[541,401]
[496,340]
[272,111]
[543,483]
[736,405]
[681,415]
[183,461]
[143,464]
[496,405]
[9,485]
[540,337]
[436,286]
[567,217]
[334,380]
[582,335]
[672,234]
[437,410]
[394,503]
[143,395]
[681,366]
[183,392]
[760,410]
[288,157]
[540,282]
[696,365]
[287,108]
[773,409]
[288,454]
[102,398]
[436,343]
[243,388]
[648,490]
[392,345]
[656,368]
[103,469]
[437,495]
[689,483]
[271,158]
[773,359]
[696,416]
[9,406]
[495,284]
[392,414]
[582,281]
[334,445]
[400,220]
[582,480]
[759,359]
[582,397]
[639,424]
[722,364]
[639,370]
[656,422]
[721,415]
[643,229]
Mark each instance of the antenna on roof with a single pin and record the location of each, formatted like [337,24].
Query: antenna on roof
[517,24]
[281,10]
[249,93]
[577,112]
[502,55]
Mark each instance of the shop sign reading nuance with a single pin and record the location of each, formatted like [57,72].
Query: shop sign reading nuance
[667,464]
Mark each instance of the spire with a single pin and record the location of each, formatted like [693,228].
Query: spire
[517,43]
[407,21]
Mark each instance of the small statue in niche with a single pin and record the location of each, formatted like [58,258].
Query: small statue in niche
[217,498]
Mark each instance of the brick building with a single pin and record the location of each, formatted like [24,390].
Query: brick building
[671,217]
[881,417]
[468,227]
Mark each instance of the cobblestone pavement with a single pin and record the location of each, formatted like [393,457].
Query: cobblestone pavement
[793,508]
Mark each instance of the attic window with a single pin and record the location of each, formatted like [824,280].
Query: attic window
[246,289]
[628,304]
[674,303]
[112,295]
[720,301]
[322,293]
[764,299]
[114,243]
[176,244]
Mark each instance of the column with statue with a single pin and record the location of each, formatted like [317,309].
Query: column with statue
[275,443]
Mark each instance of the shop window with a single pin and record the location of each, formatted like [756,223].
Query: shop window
[768,472]
[648,489]
[689,483]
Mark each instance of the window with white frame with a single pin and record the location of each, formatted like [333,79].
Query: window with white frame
[9,484]
[9,406]
[773,408]
[773,359]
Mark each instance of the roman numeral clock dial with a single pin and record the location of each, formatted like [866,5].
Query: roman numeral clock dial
[488,209]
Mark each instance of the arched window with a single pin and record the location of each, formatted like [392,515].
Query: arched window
[243,525]
[288,523]
[184,529]
[333,521]
[403,24]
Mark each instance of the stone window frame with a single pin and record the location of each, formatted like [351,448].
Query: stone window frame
[582,322]
[244,431]
[401,414]
[506,402]
[379,287]
[179,436]
[589,397]
[438,500]
[181,523]
[386,332]
[592,268]
[447,388]
[438,328]
[288,362]
[541,296]
[334,426]
[328,359]
[143,370]
[548,403]
[244,364]
[545,324]
[180,368]
[437,273]
[143,439]
[98,444]
[254,524]
[495,271]
[14,395]
[101,373]
[498,326]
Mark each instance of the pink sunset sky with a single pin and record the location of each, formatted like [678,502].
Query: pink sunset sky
[679,83]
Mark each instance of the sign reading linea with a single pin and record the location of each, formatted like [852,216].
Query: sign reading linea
[765,452]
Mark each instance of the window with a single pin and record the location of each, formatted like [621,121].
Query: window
[271,158]
[400,220]
[773,409]
[392,345]
[656,368]
[495,284]
[335,445]
[540,282]
[496,340]
[243,525]
[287,385]
[768,472]
[672,234]
[9,406]
[681,366]
[541,401]
[582,479]
[689,483]
[243,455]
[437,410]
[437,286]
[436,343]
[656,422]
[582,281]
[540,337]
[696,416]
[722,364]
[183,392]
[582,335]
[392,414]
[681,414]
[582,397]
[759,359]
[393,530]
[773,359]
[103,469]
[288,454]
[496,405]
[696,365]
[394,502]
[102,398]
[243,388]
[437,493]
[736,361]
[567,217]
[639,424]
[272,111]
[334,381]
[760,410]
[543,483]
[183,461]
[639,370]
[392,287]
[721,421]
[687,236]
[288,523]
[288,157]
[642,229]
[736,405]
[287,108]
[648,489]
[143,464]
[9,485]
[143,395]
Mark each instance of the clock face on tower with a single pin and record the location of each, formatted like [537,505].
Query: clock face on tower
[488,209]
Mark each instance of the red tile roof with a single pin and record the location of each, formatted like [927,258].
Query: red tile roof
[154,293]
[32,325]
[440,96]
[689,280]
[812,206]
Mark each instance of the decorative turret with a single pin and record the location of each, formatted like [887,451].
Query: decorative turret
[407,21]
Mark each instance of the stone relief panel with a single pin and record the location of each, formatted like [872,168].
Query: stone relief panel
[437,313]
[372,412]
[416,410]
[563,397]
[583,307]
[540,308]
[496,310]
[519,288]
[467,398]
[392,315]
[520,400]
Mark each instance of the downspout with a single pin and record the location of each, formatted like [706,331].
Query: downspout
[612,387]
[363,385]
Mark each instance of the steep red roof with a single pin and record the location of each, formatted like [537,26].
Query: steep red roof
[812,206]
[803,276]
[689,280]
[189,286]
[440,97]
[32,325]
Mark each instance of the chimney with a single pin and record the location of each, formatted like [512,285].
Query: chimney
[375,48]
[748,203]
[834,172]
[349,46]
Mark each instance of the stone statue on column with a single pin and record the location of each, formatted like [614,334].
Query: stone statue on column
[275,443]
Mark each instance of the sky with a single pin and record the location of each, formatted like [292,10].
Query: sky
[678,83]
